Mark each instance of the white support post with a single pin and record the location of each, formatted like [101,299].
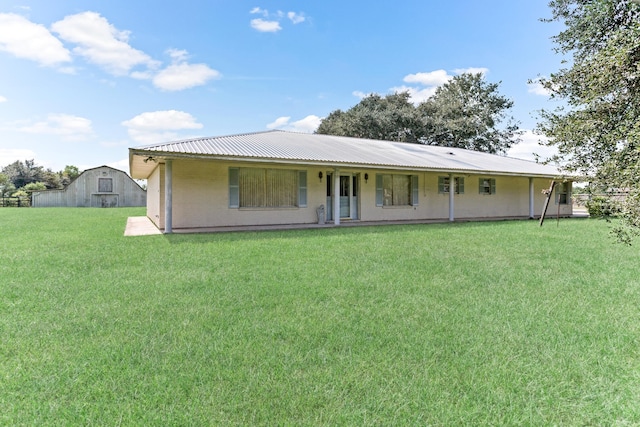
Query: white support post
[168,197]
[452,192]
[531,200]
[336,197]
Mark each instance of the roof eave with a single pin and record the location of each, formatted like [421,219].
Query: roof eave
[156,157]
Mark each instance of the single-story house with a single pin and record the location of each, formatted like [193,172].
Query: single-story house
[101,187]
[281,178]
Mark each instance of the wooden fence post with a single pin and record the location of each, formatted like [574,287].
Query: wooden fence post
[546,202]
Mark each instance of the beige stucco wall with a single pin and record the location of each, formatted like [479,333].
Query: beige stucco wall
[155,196]
[201,197]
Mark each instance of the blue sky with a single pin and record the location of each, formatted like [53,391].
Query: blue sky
[82,81]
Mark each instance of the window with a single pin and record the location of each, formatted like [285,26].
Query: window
[396,190]
[443,184]
[563,193]
[487,186]
[105,185]
[267,188]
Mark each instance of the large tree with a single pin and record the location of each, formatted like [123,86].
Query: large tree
[69,173]
[467,112]
[389,118]
[6,186]
[22,174]
[597,132]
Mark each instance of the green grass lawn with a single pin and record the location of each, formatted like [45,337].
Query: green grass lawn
[501,323]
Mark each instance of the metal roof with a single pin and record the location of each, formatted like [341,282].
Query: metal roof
[328,150]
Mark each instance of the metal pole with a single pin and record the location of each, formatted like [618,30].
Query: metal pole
[336,197]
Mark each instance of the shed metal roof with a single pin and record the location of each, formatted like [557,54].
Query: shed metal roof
[328,150]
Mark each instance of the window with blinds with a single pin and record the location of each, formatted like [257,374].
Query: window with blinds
[563,193]
[396,190]
[267,188]
[443,184]
[487,186]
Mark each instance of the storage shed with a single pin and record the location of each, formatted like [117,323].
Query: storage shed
[101,187]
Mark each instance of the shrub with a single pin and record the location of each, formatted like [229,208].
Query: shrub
[602,207]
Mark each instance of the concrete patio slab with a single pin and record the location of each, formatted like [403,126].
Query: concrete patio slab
[140,226]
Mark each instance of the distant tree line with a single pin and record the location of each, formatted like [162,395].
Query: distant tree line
[20,179]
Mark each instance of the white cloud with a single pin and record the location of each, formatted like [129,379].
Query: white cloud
[530,145]
[101,43]
[180,75]
[296,18]
[184,76]
[471,70]
[142,75]
[271,21]
[360,94]
[67,126]
[257,10]
[113,143]
[536,88]
[24,39]
[158,126]
[279,122]
[265,26]
[10,155]
[432,78]
[307,125]
[170,119]
[417,95]
[178,55]
[3,99]
[429,81]
[122,165]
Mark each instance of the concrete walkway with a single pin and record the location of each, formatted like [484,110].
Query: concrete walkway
[142,226]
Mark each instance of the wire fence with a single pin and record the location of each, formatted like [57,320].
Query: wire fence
[582,199]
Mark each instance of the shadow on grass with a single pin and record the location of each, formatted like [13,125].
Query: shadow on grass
[360,230]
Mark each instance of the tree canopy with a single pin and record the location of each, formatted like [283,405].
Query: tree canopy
[466,112]
[390,118]
[28,176]
[597,133]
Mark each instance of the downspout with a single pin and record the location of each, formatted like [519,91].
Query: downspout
[336,197]
[452,191]
[531,201]
[168,197]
